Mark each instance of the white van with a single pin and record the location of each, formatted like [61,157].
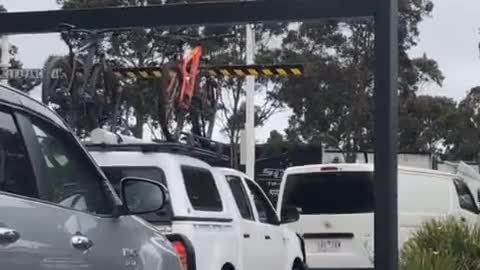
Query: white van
[336,204]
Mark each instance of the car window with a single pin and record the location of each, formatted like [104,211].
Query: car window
[330,193]
[201,189]
[16,173]
[117,173]
[240,196]
[266,214]
[71,179]
[465,197]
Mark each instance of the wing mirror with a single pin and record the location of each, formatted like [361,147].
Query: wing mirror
[142,196]
[290,214]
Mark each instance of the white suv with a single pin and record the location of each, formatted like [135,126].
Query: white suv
[202,208]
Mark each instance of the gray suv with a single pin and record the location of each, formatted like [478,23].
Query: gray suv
[58,211]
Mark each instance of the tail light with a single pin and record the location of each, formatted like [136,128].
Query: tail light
[181,253]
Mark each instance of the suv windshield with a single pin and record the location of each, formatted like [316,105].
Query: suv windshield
[330,193]
[116,174]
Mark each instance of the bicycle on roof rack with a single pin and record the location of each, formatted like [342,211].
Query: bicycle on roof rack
[84,91]
[87,88]
[184,97]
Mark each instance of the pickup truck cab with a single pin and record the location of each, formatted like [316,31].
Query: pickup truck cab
[261,228]
[57,209]
[201,206]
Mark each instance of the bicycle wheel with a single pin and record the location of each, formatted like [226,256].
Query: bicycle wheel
[204,109]
[170,116]
[213,100]
[106,99]
[59,88]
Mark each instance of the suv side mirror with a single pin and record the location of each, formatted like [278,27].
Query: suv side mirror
[141,196]
[290,214]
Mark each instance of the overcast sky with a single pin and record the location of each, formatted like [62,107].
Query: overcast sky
[451,37]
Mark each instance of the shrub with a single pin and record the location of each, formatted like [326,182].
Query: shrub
[438,245]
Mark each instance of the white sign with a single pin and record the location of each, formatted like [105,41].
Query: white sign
[29,73]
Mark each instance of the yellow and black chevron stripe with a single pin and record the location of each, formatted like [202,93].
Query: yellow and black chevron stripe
[256,70]
[147,73]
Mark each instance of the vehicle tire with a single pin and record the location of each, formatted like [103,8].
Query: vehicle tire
[170,116]
[59,88]
[228,266]
[106,96]
[298,265]
[204,109]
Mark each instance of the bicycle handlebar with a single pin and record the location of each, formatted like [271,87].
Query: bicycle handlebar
[69,29]
[186,38]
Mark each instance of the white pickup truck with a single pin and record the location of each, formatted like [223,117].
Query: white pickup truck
[225,216]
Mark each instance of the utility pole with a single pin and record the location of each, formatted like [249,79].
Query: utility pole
[4,61]
[250,104]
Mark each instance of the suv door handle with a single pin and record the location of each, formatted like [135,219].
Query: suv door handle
[267,237]
[81,242]
[246,235]
[8,236]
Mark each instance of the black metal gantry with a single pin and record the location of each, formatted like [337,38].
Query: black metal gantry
[385,13]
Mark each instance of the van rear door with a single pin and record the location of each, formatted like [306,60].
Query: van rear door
[336,216]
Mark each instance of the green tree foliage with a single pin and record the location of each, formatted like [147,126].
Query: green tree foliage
[427,123]
[276,144]
[333,104]
[464,142]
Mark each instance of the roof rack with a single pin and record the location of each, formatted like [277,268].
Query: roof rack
[190,145]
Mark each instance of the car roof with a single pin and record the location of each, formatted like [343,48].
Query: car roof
[358,167]
[20,100]
[230,171]
[139,158]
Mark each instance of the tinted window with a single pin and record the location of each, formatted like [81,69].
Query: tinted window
[116,174]
[241,197]
[201,189]
[16,174]
[330,193]
[71,179]
[465,197]
[266,214]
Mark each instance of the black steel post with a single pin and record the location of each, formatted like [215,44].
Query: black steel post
[386,127]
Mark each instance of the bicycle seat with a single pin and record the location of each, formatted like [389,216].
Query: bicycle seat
[66,27]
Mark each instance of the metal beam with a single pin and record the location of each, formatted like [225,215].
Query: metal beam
[185,14]
[386,130]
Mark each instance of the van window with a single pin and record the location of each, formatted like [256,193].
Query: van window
[330,193]
[201,189]
[16,173]
[465,197]
[241,197]
[116,174]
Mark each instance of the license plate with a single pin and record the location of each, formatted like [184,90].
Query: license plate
[327,245]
